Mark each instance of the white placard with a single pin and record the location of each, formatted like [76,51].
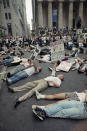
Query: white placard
[57,50]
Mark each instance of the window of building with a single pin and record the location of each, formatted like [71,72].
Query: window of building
[6,16]
[9,15]
[4,3]
[8,5]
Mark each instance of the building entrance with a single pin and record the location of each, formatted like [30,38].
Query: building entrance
[55,17]
[9,29]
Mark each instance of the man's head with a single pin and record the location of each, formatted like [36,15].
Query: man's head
[61,77]
[39,69]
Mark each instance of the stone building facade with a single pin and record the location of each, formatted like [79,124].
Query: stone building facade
[61,13]
[13,17]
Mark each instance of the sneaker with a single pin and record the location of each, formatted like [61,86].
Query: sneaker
[8,74]
[39,113]
[35,106]
[17,103]
[41,118]
[11,89]
[37,95]
[85,71]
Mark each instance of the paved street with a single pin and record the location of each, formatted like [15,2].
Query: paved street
[22,118]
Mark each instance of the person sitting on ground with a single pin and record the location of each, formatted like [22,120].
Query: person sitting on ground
[38,85]
[64,96]
[23,65]
[24,73]
[64,109]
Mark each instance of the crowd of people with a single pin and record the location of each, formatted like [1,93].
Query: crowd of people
[12,53]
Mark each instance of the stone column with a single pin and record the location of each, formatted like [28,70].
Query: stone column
[81,10]
[50,21]
[60,18]
[0,13]
[70,14]
[40,14]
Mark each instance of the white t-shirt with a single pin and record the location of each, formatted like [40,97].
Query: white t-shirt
[54,79]
[16,59]
[81,96]
[26,64]
[30,71]
[46,58]
[24,60]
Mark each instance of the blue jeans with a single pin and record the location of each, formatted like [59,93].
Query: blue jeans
[7,61]
[16,69]
[67,109]
[18,76]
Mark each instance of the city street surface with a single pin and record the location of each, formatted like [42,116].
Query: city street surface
[22,118]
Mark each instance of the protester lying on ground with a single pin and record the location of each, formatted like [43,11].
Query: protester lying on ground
[63,109]
[23,65]
[74,53]
[47,57]
[83,68]
[67,63]
[78,63]
[64,96]
[11,60]
[38,85]
[24,73]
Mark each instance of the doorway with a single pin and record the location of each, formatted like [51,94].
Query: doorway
[9,29]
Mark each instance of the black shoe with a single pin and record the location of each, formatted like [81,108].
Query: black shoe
[85,71]
[8,74]
[39,113]
[10,89]
[16,104]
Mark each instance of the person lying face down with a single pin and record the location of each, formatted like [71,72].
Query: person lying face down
[24,73]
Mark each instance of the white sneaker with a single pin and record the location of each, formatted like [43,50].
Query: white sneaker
[37,95]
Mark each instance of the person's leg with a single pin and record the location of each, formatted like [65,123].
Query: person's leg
[42,84]
[67,109]
[60,96]
[7,61]
[26,86]
[15,63]
[15,70]
[20,75]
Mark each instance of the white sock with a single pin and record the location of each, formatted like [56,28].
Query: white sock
[39,96]
[37,106]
